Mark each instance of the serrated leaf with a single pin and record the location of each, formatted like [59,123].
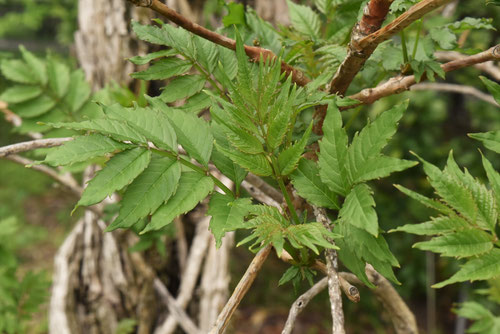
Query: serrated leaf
[491,139]
[223,163]
[118,130]
[463,243]
[153,125]
[227,214]
[243,75]
[332,157]
[164,69]
[256,163]
[358,209]
[436,226]
[142,60]
[324,6]
[181,40]
[82,148]
[78,91]
[193,133]
[150,34]
[17,71]
[279,114]
[444,37]
[196,103]
[182,87]
[373,138]
[426,201]
[352,262]
[208,53]
[235,15]
[492,87]
[288,159]
[119,172]
[18,93]
[483,267]
[380,167]
[193,188]
[493,177]
[34,107]
[304,19]
[307,182]
[37,66]
[148,191]
[58,76]
[229,63]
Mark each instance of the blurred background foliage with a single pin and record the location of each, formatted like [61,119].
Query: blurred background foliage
[34,215]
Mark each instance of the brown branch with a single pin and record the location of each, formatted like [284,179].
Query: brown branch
[404,20]
[301,303]
[374,15]
[333,277]
[32,145]
[454,88]
[488,67]
[253,52]
[400,84]
[401,316]
[240,290]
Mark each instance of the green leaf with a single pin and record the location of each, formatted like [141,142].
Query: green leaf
[182,87]
[118,130]
[78,91]
[289,158]
[193,134]
[332,157]
[229,63]
[428,202]
[483,267]
[37,66]
[148,191]
[193,188]
[208,53]
[324,6]
[227,214]
[34,107]
[17,94]
[17,71]
[82,148]
[197,103]
[304,19]
[280,114]
[58,75]
[444,37]
[119,172]
[352,262]
[492,87]
[181,40]
[440,225]
[223,163]
[463,243]
[358,209]
[491,140]
[164,69]
[152,124]
[493,177]
[150,34]
[307,182]
[243,75]
[256,163]
[142,60]
[382,166]
[236,14]
[473,310]
[372,139]
[453,192]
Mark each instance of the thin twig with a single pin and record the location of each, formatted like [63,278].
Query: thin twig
[454,88]
[488,67]
[240,290]
[333,277]
[301,303]
[374,15]
[259,195]
[32,145]
[175,309]
[254,52]
[400,84]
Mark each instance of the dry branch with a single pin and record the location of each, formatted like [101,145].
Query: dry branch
[240,290]
[374,15]
[333,277]
[400,84]
[301,303]
[488,67]
[454,88]
[253,52]
[32,145]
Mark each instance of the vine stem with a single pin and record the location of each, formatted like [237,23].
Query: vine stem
[415,46]
[281,184]
[196,168]
[403,44]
